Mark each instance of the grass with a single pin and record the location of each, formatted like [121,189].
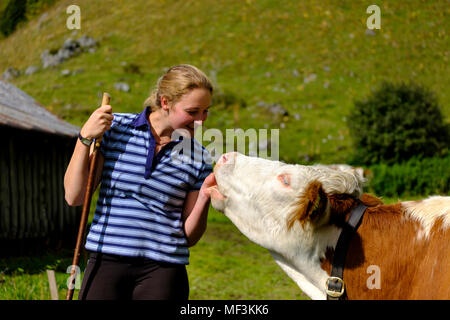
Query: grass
[259,51]
[25,278]
[226,265]
[223,265]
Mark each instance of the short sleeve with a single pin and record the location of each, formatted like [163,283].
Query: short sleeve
[106,138]
[205,171]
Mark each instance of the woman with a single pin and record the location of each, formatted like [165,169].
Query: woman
[151,207]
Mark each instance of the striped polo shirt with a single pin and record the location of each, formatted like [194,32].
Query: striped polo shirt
[139,208]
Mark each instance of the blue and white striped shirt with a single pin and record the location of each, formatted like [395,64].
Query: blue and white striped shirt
[139,209]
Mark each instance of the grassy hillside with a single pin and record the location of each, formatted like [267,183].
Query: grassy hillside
[313,58]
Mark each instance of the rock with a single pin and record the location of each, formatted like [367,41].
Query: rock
[87,42]
[65,72]
[50,60]
[370,32]
[262,104]
[276,109]
[69,49]
[122,86]
[70,44]
[310,78]
[10,73]
[31,70]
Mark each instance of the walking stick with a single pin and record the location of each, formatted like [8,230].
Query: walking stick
[86,207]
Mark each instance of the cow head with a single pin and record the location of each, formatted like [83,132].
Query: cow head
[282,207]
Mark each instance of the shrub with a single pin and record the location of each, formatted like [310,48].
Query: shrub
[396,123]
[414,177]
[13,14]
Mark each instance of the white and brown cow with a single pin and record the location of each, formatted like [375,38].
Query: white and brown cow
[297,213]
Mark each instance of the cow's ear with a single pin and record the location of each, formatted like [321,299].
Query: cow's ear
[311,205]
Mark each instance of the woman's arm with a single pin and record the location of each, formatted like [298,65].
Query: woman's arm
[76,177]
[195,213]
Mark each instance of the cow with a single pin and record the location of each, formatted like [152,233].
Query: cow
[297,212]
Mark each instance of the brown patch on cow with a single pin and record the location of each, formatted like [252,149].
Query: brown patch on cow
[410,268]
[370,200]
[341,206]
[310,206]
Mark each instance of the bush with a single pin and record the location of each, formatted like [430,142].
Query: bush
[13,14]
[397,123]
[20,10]
[414,177]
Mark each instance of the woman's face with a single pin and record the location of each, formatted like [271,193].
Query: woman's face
[193,106]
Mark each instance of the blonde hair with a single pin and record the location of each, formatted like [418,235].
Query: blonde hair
[176,82]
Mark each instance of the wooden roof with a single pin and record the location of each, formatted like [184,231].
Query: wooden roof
[19,110]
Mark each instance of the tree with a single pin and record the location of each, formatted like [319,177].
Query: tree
[398,122]
[13,14]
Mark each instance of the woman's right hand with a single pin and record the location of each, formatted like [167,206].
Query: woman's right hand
[99,122]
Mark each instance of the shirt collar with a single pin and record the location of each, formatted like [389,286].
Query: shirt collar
[141,119]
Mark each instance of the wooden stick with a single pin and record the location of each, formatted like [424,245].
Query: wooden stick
[52,284]
[86,206]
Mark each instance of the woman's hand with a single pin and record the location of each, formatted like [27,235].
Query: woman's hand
[207,183]
[99,122]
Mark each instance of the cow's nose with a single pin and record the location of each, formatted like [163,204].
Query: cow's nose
[227,158]
[224,158]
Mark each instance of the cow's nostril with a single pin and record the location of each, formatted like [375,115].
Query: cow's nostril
[224,158]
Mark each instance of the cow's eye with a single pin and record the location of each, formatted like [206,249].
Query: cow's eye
[285,179]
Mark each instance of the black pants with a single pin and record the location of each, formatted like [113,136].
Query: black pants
[111,277]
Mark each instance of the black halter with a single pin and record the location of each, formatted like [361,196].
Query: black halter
[335,283]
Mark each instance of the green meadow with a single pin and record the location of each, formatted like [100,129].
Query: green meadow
[312,58]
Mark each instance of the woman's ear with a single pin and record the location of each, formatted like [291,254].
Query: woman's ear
[165,103]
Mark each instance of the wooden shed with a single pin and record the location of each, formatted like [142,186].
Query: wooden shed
[35,150]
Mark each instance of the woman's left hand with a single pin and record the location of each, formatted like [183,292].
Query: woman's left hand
[207,183]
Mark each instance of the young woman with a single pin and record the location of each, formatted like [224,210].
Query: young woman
[151,206]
